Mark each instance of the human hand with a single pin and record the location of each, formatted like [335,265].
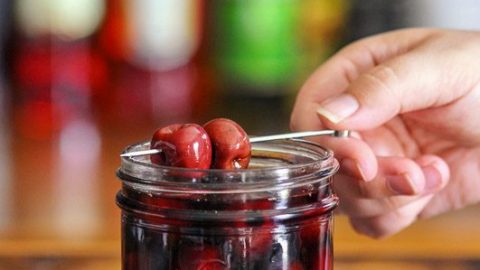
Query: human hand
[413,99]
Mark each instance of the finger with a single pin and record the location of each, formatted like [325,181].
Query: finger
[355,156]
[395,176]
[377,197]
[396,86]
[436,172]
[356,206]
[388,224]
[334,76]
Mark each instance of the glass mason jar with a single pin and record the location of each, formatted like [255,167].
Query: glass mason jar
[277,214]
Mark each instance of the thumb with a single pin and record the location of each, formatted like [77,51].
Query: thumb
[410,82]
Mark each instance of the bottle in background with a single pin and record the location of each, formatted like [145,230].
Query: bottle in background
[256,45]
[443,13]
[151,45]
[152,34]
[56,72]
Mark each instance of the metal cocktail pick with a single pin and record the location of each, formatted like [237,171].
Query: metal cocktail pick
[303,134]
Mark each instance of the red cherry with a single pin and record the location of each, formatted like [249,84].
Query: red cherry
[261,241]
[311,234]
[296,266]
[186,146]
[231,146]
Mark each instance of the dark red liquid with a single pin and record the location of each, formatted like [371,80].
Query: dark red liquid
[209,232]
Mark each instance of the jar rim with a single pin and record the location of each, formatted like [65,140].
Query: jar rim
[317,161]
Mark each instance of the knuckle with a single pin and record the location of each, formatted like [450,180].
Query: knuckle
[381,85]
[385,73]
[383,225]
[293,122]
[350,69]
[368,227]
[390,204]
[374,189]
[366,191]
[384,77]
[297,123]
[374,229]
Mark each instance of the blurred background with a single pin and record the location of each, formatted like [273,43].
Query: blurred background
[80,80]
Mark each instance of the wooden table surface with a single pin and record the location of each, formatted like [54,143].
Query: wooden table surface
[57,206]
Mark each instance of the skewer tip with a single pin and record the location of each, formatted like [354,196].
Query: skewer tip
[140,153]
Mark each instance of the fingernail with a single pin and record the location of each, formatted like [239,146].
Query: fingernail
[338,108]
[433,179]
[402,184]
[352,168]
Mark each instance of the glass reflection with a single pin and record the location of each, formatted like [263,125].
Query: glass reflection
[76,211]
[6,190]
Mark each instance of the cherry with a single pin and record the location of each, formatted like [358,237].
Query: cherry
[296,266]
[231,146]
[182,145]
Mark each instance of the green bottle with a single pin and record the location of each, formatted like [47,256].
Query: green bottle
[256,45]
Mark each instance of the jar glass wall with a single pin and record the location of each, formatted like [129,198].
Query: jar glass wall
[275,215]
